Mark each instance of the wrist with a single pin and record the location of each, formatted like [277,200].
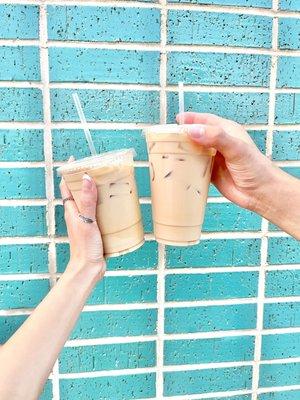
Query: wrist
[85,272]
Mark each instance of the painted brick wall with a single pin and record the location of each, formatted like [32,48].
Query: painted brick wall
[217,321]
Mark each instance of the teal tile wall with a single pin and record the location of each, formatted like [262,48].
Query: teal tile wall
[118,57]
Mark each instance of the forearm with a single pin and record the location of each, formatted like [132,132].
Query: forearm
[280,202]
[29,355]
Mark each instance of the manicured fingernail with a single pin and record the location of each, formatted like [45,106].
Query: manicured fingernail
[86,176]
[86,181]
[196,131]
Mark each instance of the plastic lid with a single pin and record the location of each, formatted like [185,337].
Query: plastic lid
[110,158]
[165,128]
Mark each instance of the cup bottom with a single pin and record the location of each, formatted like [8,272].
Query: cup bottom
[121,253]
[181,244]
[121,242]
[177,235]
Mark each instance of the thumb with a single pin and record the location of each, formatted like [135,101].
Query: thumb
[232,148]
[88,197]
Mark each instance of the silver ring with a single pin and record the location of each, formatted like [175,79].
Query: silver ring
[67,199]
[86,220]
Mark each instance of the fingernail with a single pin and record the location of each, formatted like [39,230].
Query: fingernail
[196,131]
[86,181]
[72,158]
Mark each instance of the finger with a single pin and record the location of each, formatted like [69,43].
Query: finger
[70,205]
[88,197]
[232,148]
[198,118]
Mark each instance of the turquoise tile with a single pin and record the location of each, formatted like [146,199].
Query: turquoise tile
[200,351]
[294,171]
[21,145]
[23,258]
[22,294]
[218,69]
[127,387]
[60,224]
[113,24]
[282,283]
[147,217]
[47,392]
[289,33]
[207,381]
[281,315]
[124,290]
[68,142]
[194,27]
[259,138]
[19,63]
[286,145]
[19,21]
[213,191]
[229,217]
[187,287]
[288,395]
[115,323]
[23,221]
[9,325]
[20,104]
[107,357]
[287,108]
[291,5]
[209,319]
[280,346]
[146,257]
[215,253]
[107,105]
[98,65]
[143,181]
[288,72]
[283,250]
[244,3]
[245,108]
[18,183]
[279,374]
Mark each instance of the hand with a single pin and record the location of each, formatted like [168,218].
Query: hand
[241,172]
[86,246]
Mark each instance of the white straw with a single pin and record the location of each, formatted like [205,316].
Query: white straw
[181,102]
[84,124]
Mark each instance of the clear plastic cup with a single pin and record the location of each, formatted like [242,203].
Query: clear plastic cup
[180,172]
[118,209]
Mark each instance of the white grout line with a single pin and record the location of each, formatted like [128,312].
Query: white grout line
[189,88]
[167,304]
[122,125]
[44,65]
[161,247]
[137,46]
[172,368]
[182,7]
[265,223]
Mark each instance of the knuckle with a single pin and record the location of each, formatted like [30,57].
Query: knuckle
[87,202]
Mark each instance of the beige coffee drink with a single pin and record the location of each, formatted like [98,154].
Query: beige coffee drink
[180,173]
[118,210]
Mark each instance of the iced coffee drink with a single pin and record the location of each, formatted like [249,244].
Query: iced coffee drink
[118,210]
[180,173]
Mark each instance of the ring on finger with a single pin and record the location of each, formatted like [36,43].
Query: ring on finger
[86,220]
[70,198]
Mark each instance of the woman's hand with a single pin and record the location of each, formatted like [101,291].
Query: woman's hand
[86,247]
[238,165]
[243,174]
